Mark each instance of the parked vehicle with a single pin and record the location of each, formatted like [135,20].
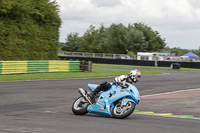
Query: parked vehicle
[124,57]
[118,101]
[173,58]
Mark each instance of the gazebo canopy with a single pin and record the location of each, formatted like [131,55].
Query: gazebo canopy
[191,55]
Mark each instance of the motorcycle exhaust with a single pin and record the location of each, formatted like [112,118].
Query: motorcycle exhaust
[82,92]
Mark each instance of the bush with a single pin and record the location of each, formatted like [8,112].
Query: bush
[29,30]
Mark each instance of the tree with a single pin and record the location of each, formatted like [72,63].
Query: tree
[29,29]
[115,39]
[72,43]
[135,40]
[100,40]
[88,44]
[154,40]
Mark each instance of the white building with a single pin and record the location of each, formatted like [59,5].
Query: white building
[153,55]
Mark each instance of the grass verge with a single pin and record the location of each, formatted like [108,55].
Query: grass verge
[148,67]
[96,72]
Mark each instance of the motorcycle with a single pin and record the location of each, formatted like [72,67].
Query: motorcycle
[118,101]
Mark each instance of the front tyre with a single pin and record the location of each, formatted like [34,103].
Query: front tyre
[79,106]
[123,112]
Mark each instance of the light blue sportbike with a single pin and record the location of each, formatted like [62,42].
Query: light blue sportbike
[118,101]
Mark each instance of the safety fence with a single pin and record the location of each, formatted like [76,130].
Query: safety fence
[133,62]
[95,55]
[15,67]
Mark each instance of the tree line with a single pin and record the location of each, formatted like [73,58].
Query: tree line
[116,39]
[29,29]
[119,39]
[179,52]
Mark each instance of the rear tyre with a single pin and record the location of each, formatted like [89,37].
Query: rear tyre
[123,112]
[79,106]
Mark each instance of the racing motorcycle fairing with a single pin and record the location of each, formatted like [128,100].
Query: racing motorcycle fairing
[92,87]
[106,101]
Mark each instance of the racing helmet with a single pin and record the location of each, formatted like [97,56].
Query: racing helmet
[134,75]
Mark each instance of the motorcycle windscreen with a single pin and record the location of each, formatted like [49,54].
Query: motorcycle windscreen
[92,87]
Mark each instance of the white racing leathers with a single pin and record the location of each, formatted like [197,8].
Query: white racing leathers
[121,79]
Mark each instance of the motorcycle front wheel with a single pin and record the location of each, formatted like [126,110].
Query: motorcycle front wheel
[124,111]
[79,106]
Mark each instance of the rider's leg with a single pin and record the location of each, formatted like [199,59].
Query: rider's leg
[99,88]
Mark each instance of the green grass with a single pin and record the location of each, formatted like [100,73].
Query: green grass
[96,72]
[149,67]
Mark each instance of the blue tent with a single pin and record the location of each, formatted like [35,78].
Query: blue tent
[191,55]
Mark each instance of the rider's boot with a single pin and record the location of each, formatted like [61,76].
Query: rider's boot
[102,87]
[93,93]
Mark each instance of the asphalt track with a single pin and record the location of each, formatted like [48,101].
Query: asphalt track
[45,107]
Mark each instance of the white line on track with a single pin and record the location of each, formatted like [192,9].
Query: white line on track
[172,92]
[170,116]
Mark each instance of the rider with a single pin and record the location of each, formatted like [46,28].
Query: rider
[133,76]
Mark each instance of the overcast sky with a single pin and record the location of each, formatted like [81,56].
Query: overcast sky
[178,21]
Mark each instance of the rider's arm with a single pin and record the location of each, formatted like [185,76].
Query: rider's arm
[121,79]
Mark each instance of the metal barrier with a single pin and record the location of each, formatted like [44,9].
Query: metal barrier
[94,55]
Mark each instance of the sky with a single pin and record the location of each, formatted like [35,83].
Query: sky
[178,21]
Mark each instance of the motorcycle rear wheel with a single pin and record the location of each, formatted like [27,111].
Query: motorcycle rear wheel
[79,107]
[123,112]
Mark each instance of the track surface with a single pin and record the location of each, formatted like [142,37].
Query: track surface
[45,107]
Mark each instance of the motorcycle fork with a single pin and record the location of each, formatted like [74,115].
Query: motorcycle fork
[122,102]
[82,92]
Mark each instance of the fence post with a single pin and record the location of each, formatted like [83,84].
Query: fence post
[156,60]
[82,66]
[86,66]
[89,66]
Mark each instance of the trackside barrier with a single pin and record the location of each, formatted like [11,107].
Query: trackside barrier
[175,66]
[17,67]
[13,67]
[132,62]
[38,66]
[86,66]
[74,66]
